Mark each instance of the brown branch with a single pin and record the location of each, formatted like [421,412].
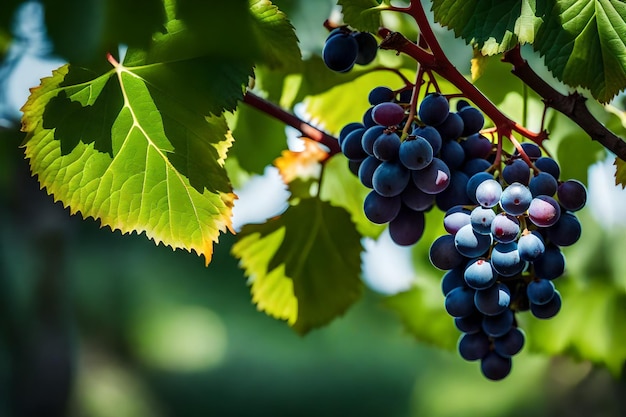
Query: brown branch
[292,120]
[571,105]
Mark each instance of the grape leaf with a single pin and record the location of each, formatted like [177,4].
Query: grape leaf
[304,265]
[493,27]
[125,151]
[620,172]
[279,43]
[304,164]
[362,15]
[584,44]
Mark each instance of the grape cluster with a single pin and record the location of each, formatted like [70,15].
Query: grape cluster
[431,166]
[344,48]
[502,254]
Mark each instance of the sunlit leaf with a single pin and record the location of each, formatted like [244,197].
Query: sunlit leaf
[303,164]
[304,265]
[361,14]
[620,172]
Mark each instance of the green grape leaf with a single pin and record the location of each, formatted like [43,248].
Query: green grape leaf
[620,172]
[279,44]
[422,311]
[584,44]
[493,27]
[304,265]
[131,153]
[362,15]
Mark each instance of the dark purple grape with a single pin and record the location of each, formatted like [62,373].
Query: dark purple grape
[405,96]
[495,367]
[543,184]
[347,129]
[549,166]
[454,194]
[510,344]
[366,170]
[475,165]
[452,154]
[544,211]
[368,121]
[367,47]
[470,324]
[473,346]
[460,302]
[388,114]
[433,109]
[516,171]
[379,209]
[532,150]
[476,146]
[572,195]
[498,325]
[408,227]
[386,146]
[390,179]
[549,309]
[431,135]
[493,300]
[540,291]
[434,178]
[516,199]
[452,279]
[566,231]
[530,246]
[443,254]
[479,274]
[451,128]
[351,145]
[460,104]
[416,199]
[380,95]
[416,153]
[354,166]
[505,259]
[369,137]
[471,244]
[340,52]
[473,120]
[551,264]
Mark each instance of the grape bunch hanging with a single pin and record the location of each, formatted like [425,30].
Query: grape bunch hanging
[506,214]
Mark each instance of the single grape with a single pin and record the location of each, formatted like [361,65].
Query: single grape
[380,95]
[387,146]
[455,218]
[551,264]
[347,129]
[452,154]
[416,153]
[390,179]
[407,227]
[566,231]
[549,166]
[451,128]
[379,209]
[443,254]
[540,291]
[549,309]
[454,194]
[544,211]
[367,47]
[475,165]
[505,259]
[495,367]
[498,325]
[470,324]
[340,52]
[488,193]
[493,300]
[532,150]
[530,246]
[516,171]
[473,346]
[473,120]
[481,219]
[431,135]
[479,274]
[460,104]
[366,170]
[434,178]
[516,199]
[505,228]
[572,195]
[405,96]
[388,114]
[433,109]
[351,145]
[471,244]
[368,121]
[452,279]
[510,344]
[416,199]
[543,184]
[369,137]
[473,183]
[460,302]
[476,146]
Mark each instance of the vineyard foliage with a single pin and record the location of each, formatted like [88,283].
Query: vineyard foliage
[146,129]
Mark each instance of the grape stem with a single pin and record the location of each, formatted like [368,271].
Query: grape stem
[292,120]
[571,105]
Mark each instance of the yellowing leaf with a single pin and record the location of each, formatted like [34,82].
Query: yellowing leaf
[303,266]
[303,164]
[620,172]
